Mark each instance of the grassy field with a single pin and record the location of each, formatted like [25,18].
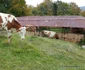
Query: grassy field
[40,53]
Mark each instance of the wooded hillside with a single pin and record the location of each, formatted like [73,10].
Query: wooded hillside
[47,7]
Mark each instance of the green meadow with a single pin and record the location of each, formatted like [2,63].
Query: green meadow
[40,53]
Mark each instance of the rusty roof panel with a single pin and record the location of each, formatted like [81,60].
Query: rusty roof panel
[53,21]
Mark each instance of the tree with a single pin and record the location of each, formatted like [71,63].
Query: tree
[82,13]
[55,8]
[45,8]
[18,7]
[5,5]
[15,7]
[62,8]
[74,9]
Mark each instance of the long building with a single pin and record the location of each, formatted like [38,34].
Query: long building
[53,21]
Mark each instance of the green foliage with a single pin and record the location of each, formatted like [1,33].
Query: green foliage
[82,42]
[35,11]
[5,5]
[62,8]
[15,7]
[74,9]
[18,8]
[55,8]
[82,13]
[47,7]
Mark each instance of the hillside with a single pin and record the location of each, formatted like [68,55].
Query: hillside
[40,53]
[82,7]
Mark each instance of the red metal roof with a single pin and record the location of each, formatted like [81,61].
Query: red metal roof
[53,21]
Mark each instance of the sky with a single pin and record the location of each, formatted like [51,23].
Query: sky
[35,2]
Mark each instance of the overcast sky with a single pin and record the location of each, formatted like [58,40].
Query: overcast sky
[35,2]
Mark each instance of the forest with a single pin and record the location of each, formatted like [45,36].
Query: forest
[46,8]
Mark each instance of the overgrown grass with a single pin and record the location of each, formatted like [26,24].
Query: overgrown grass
[40,53]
